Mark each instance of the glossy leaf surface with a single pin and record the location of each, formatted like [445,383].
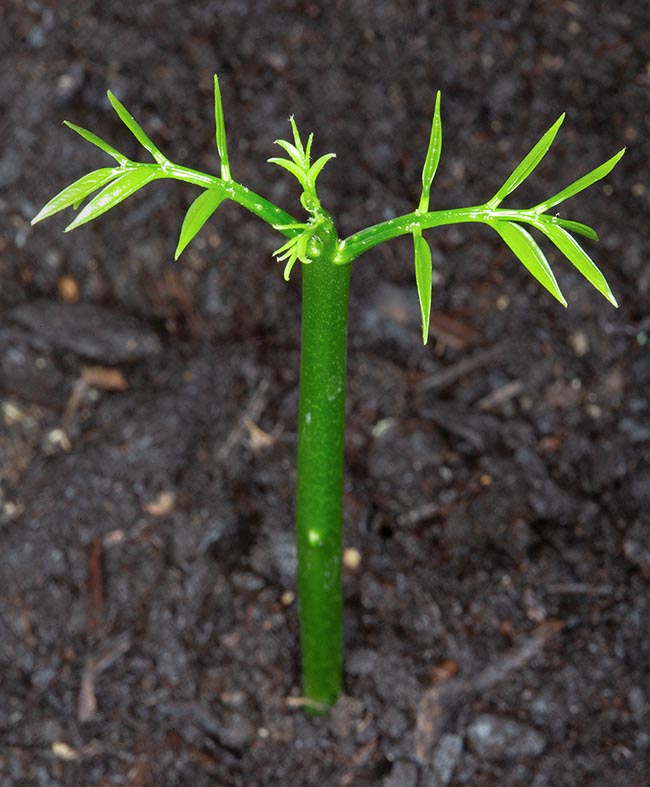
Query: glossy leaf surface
[317,166]
[574,252]
[433,156]
[76,192]
[582,183]
[130,122]
[291,167]
[577,227]
[197,214]
[98,142]
[522,244]
[220,131]
[114,193]
[528,164]
[291,150]
[423,279]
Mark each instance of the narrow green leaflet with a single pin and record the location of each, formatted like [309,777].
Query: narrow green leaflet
[114,193]
[293,250]
[577,227]
[296,137]
[299,226]
[317,166]
[581,184]
[98,142]
[574,252]
[197,214]
[423,263]
[522,244]
[291,167]
[220,132]
[433,156]
[77,191]
[130,122]
[527,165]
[291,150]
[423,279]
[310,140]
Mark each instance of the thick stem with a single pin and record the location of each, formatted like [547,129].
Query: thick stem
[319,504]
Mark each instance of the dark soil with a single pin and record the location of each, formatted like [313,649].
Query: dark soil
[498,482]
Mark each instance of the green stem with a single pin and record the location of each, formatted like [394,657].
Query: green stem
[355,245]
[363,241]
[321,439]
[242,195]
[319,504]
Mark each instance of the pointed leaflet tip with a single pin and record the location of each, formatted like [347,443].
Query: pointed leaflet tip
[76,192]
[197,214]
[130,122]
[582,183]
[291,150]
[579,258]
[296,137]
[114,193]
[524,247]
[317,166]
[575,226]
[527,164]
[293,250]
[98,142]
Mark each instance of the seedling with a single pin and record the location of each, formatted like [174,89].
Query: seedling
[326,264]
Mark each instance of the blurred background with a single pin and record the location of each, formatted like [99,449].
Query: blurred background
[497,527]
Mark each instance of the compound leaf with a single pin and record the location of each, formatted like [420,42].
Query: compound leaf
[527,165]
[114,193]
[77,191]
[197,214]
[522,244]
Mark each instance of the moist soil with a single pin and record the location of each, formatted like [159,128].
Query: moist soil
[498,482]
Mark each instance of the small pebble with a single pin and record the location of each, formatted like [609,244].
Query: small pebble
[497,738]
[579,343]
[351,558]
[68,289]
[62,751]
[287,598]
[445,759]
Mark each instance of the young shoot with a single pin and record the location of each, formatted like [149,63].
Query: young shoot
[326,263]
